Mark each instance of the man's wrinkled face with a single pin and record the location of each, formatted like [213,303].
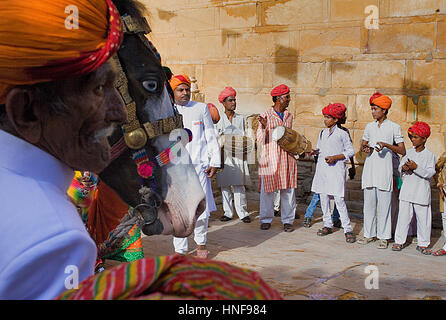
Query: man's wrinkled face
[230,103]
[182,94]
[95,108]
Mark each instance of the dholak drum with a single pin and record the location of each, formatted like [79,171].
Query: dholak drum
[235,145]
[291,141]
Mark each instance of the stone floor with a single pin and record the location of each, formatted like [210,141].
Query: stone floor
[304,266]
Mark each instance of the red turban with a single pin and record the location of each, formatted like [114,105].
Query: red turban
[380,100]
[280,90]
[37,44]
[227,92]
[421,129]
[215,115]
[179,79]
[336,110]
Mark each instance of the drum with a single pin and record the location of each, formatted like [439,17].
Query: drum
[291,141]
[235,145]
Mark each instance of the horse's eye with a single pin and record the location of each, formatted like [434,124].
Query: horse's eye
[150,85]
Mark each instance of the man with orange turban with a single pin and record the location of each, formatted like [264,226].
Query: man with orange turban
[380,140]
[205,155]
[235,171]
[57,101]
[277,168]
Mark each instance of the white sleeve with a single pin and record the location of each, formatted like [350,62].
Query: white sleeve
[366,134]
[349,151]
[429,171]
[397,135]
[49,268]
[211,139]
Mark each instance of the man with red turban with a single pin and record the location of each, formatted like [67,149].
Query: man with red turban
[334,147]
[196,118]
[381,139]
[235,171]
[57,101]
[277,168]
[417,168]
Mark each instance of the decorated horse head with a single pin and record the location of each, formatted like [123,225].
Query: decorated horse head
[151,170]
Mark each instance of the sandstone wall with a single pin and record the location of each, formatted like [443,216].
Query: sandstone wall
[320,48]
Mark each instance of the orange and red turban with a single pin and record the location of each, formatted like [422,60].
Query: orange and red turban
[335,110]
[227,92]
[280,90]
[421,129]
[215,115]
[175,81]
[38,42]
[380,100]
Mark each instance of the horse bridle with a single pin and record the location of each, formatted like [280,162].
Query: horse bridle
[136,135]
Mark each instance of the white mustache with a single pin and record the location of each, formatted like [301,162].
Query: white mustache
[104,132]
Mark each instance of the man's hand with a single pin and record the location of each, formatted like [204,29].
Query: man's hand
[210,171]
[330,159]
[411,164]
[366,148]
[263,121]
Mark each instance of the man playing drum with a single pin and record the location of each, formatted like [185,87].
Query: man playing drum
[235,172]
[277,167]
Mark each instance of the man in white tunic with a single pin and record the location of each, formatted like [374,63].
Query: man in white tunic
[440,179]
[334,148]
[51,122]
[417,168]
[380,138]
[235,172]
[197,119]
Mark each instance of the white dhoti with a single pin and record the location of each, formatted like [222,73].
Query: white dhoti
[342,209]
[377,213]
[287,205]
[239,201]
[424,222]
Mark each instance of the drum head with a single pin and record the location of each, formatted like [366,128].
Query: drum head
[278,133]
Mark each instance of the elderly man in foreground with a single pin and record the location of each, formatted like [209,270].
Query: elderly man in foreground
[57,104]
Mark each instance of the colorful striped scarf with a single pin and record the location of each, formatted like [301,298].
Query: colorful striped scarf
[173,277]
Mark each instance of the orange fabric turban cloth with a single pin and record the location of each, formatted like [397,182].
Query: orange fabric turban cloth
[380,100]
[336,110]
[39,40]
[280,90]
[215,115]
[227,92]
[421,129]
[179,79]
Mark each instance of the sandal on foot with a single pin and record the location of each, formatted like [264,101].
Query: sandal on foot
[440,252]
[424,250]
[202,253]
[324,231]
[246,219]
[288,227]
[382,244]
[350,237]
[397,247]
[307,222]
[365,240]
[265,226]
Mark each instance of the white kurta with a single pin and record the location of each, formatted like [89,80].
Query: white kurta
[43,236]
[378,166]
[416,186]
[330,178]
[196,117]
[235,171]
